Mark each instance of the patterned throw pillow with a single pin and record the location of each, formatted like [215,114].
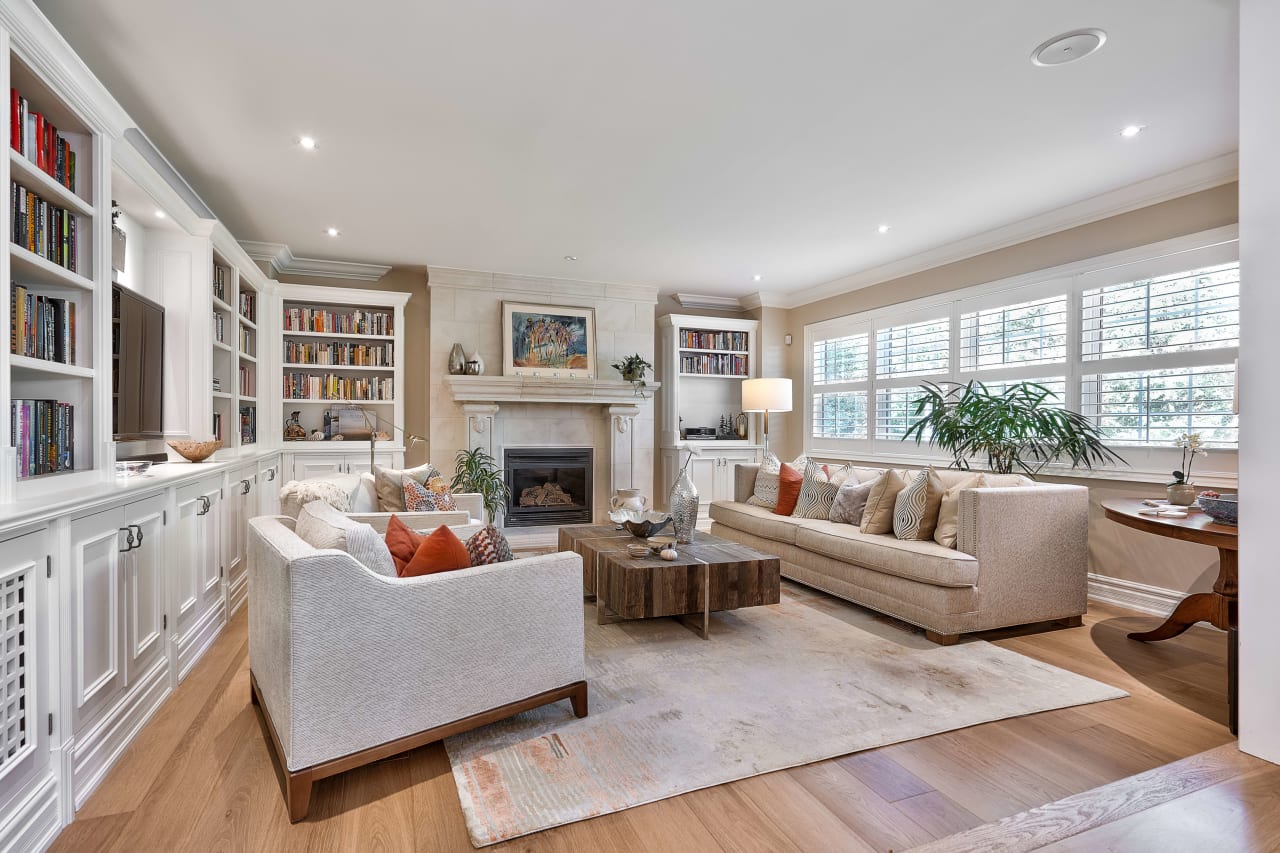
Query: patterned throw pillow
[439,487]
[389,484]
[817,493]
[915,510]
[948,529]
[417,497]
[488,546]
[766,489]
[850,501]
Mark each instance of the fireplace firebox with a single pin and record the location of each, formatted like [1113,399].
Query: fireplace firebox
[548,486]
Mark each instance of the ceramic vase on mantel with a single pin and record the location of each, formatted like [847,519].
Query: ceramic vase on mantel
[682,504]
[457,360]
[475,364]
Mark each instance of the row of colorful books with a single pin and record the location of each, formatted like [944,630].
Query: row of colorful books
[41,326]
[249,306]
[220,276]
[350,323]
[41,227]
[303,386]
[333,353]
[44,436]
[219,328]
[246,382]
[34,137]
[697,339]
[246,340]
[248,424]
[714,365]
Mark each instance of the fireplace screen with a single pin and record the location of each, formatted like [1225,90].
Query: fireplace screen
[548,486]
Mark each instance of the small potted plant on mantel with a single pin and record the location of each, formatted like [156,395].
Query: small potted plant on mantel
[1182,492]
[633,369]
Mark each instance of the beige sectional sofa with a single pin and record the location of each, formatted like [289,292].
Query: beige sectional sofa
[1021,557]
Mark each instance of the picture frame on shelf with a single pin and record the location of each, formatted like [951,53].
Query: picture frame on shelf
[548,340]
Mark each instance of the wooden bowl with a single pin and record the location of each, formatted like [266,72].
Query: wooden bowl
[195,451]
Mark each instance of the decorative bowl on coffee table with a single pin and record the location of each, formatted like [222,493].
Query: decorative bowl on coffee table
[195,451]
[1222,509]
[641,523]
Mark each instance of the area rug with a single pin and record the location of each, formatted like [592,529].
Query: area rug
[810,678]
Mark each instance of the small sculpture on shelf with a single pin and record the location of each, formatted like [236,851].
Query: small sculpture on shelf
[293,429]
[315,435]
[457,360]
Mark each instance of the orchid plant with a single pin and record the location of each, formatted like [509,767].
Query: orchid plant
[1192,446]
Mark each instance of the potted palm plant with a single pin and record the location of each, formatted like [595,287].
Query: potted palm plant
[1018,430]
[633,369]
[476,471]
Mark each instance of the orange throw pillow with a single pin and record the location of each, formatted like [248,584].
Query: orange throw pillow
[402,543]
[442,551]
[789,480]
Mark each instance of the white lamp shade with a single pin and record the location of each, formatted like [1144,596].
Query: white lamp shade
[766,395]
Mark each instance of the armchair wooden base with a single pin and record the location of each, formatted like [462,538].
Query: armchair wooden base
[298,783]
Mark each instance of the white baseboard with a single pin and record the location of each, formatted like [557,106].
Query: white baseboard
[1155,600]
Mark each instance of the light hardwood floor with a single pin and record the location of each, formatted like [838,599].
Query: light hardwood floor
[201,777]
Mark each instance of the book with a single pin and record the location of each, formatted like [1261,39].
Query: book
[43,434]
[42,228]
[33,136]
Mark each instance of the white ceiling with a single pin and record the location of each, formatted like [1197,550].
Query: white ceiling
[690,145]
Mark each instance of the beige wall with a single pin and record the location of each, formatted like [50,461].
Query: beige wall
[1115,552]
[417,320]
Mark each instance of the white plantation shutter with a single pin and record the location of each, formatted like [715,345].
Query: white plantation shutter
[842,414]
[914,349]
[1157,406]
[895,411]
[842,359]
[1025,333]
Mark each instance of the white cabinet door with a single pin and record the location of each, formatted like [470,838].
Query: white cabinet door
[96,619]
[309,465]
[704,471]
[358,463]
[144,575]
[26,669]
[241,505]
[269,483]
[725,473]
[197,602]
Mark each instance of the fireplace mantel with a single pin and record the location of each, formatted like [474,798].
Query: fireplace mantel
[545,389]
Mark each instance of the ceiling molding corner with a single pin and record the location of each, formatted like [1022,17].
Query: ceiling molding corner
[764,300]
[284,262]
[711,303]
[1191,179]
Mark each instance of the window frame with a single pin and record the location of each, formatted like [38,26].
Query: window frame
[1146,462]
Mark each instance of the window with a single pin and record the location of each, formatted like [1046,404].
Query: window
[915,349]
[1027,333]
[1187,311]
[1144,346]
[840,415]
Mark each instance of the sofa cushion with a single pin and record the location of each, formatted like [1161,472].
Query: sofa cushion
[915,511]
[364,497]
[388,482]
[948,528]
[878,515]
[789,482]
[488,546]
[818,491]
[441,551]
[924,561]
[321,526]
[765,491]
[402,542]
[334,490]
[757,520]
[851,500]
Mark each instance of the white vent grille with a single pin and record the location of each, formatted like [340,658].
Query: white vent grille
[14,729]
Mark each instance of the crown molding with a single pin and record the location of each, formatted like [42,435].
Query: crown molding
[1192,179]
[764,300]
[558,289]
[283,262]
[711,303]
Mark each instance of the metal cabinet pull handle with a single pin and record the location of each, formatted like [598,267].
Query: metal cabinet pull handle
[204,505]
[138,527]
[271,475]
[244,487]
[129,543]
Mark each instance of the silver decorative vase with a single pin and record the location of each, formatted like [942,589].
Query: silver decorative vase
[682,504]
[457,360]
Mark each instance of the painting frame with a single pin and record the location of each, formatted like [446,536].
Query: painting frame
[576,328]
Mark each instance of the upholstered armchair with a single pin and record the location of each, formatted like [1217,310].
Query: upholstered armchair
[351,666]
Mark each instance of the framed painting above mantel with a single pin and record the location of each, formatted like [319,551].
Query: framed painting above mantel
[548,340]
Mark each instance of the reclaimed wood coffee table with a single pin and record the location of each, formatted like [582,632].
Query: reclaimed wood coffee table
[710,575]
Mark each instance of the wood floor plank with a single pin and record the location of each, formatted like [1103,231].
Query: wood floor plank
[737,826]
[807,823]
[860,808]
[437,814]
[670,826]
[937,814]
[882,774]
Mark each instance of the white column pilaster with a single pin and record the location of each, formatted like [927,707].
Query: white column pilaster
[622,446]
[480,422]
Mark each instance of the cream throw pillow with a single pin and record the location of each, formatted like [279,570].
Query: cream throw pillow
[915,510]
[766,488]
[948,529]
[877,517]
[389,484]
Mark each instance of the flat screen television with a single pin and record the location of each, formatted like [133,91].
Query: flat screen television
[137,366]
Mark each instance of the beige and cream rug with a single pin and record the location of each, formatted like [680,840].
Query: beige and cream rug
[774,687]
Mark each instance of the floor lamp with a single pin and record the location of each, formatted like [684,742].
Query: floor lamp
[373,419]
[766,395]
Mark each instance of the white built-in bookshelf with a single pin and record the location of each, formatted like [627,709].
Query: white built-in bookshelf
[341,347]
[54,375]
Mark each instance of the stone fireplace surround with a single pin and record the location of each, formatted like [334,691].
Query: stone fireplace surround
[496,412]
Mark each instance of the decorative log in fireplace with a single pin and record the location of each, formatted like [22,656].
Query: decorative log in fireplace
[548,486]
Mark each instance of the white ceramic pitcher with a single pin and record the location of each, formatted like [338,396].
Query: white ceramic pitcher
[628,499]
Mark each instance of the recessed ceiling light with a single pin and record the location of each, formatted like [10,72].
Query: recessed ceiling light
[160,214]
[1068,47]
[570,257]
[1133,130]
[755,277]
[332,232]
[883,229]
[307,142]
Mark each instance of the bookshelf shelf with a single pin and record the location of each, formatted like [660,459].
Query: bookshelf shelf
[244,399]
[327,401]
[219,345]
[36,368]
[30,176]
[712,376]
[222,306]
[246,322]
[340,368]
[339,335]
[716,351]
[221,395]
[30,268]
[246,357]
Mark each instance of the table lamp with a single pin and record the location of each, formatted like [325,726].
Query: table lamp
[766,395]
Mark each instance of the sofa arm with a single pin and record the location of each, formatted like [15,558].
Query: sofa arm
[414,520]
[744,481]
[1032,545]
[377,658]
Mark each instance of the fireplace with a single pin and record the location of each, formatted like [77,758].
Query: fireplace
[548,486]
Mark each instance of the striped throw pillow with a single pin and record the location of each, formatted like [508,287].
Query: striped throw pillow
[766,488]
[817,493]
[915,510]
